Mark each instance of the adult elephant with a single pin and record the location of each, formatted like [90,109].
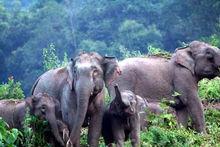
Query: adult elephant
[80,89]
[156,78]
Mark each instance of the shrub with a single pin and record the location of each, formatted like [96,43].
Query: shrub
[11,90]
[33,132]
[209,89]
[164,131]
[8,137]
[128,53]
[51,60]
[158,52]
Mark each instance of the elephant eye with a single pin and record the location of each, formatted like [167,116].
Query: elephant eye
[74,69]
[95,72]
[209,55]
[43,109]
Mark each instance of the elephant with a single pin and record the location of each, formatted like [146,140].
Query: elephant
[63,131]
[144,108]
[79,87]
[121,120]
[13,111]
[175,79]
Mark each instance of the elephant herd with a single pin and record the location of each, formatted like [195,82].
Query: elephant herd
[72,97]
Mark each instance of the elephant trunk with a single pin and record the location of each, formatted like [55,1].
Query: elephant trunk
[54,127]
[84,89]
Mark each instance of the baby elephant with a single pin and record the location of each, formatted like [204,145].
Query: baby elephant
[144,108]
[121,120]
[40,105]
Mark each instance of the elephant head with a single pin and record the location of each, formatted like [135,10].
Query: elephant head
[202,59]
[87,74]
[43,106]
[125,103]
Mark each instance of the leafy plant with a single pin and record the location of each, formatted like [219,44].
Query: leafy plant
[8,136]
[33,133]
[127,53]
[11,90]
[158,52]
[209,89]
[51,60]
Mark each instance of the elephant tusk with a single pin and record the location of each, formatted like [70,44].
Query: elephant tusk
[69,143]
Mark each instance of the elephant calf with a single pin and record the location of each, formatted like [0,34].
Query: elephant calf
[144,108]
[122,120]
[40,105]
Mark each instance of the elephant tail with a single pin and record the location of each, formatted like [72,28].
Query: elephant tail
[34,86]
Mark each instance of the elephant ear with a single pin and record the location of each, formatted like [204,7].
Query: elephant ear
[32,101]
[110,68]
[70,79]
[29,101]
[183,57]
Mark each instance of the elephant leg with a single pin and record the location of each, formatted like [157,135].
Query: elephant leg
[94,131]
[182,117]
[135,133]
[195,109]
[118,133]
[95,123]
[187,88]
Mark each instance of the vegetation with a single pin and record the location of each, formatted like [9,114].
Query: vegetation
[11,90]
[34,129]
[124,28]
[7,137]
[110,27]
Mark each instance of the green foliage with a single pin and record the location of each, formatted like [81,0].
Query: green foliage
[158,52]
[213,122]
[134,35]
[11,90]
[125,53]
[209,89]
[27,27]
[164,131]
[214,39]
[51,60]
[93,46]
[8,137]
[159,136]
[33,133]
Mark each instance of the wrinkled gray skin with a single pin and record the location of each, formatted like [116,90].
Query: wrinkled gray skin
[156,78]
[121,120]
[144,107]
[80,89]
[63,131]
[41,105]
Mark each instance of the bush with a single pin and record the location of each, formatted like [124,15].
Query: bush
[51,60]
[209,89]
[11,90]
[8,137]
[33,133]
[158,52]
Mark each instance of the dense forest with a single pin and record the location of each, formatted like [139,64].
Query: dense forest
[107,26]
